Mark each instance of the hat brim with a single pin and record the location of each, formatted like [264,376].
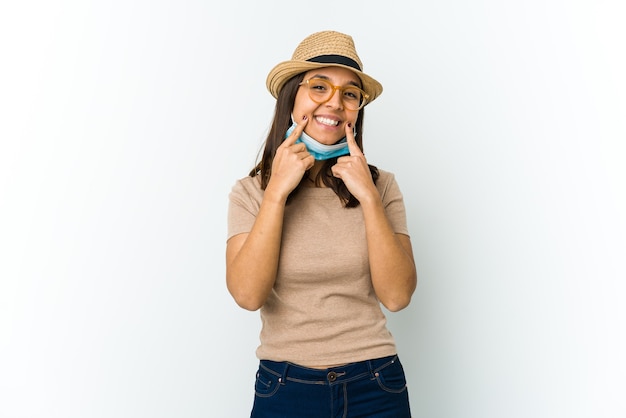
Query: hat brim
[282,72]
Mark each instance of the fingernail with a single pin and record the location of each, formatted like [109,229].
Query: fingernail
[349,124]
[304,117]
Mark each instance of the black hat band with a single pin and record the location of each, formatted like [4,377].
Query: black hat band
[336,59]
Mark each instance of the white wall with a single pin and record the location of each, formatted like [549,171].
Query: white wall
[123,125]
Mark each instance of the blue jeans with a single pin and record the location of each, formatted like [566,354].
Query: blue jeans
[368,389]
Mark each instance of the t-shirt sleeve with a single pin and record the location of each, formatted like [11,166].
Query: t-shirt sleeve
[393,202]
[243,207]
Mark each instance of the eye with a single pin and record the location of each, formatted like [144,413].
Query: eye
[352,94]
[318,85]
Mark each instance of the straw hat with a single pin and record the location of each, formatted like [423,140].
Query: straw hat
[322,49]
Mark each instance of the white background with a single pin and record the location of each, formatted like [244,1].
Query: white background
[124,124]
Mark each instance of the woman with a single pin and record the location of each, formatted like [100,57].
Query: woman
[317,241]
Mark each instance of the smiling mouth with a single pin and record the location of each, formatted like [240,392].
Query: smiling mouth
[326,121]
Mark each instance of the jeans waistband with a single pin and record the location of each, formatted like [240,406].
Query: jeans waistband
[286,371]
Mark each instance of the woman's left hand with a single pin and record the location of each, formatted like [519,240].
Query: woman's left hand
[390,255]
[354,171]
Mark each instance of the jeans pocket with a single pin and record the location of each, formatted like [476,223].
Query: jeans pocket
[267,382]
[391,377]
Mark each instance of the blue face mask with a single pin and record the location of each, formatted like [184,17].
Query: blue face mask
[320,151]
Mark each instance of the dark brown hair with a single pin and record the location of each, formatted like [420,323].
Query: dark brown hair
[280,124]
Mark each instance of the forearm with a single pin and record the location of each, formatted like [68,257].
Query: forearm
[252,259]
[390,257]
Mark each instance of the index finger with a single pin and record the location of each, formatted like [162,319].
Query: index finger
[293,137]
[353,147]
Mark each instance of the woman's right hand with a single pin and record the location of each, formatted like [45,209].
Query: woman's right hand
[290,163]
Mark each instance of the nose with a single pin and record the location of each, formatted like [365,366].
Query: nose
[335,99]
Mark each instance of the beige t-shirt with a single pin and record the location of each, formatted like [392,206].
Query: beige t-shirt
[322,309]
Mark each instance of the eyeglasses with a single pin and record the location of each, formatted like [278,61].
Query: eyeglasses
[321,91]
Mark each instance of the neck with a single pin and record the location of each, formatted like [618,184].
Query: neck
[317,167]
[314,171]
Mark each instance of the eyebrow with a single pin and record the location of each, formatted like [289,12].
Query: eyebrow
[353,83]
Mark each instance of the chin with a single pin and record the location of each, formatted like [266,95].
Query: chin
[330,141]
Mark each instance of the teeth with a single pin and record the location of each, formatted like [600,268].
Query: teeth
[327,121]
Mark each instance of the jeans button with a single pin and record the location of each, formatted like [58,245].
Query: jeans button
[332,376]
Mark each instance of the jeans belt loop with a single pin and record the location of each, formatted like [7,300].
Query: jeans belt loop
[371,369]
[283,378]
